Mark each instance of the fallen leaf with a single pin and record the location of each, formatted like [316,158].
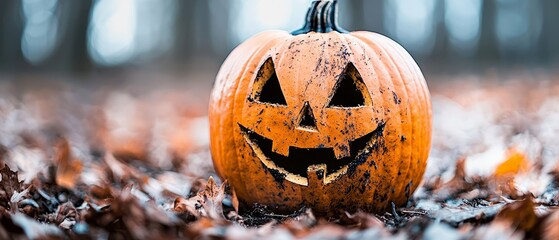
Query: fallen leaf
[551,227]
[326,230]
[9,185]
[68,170]
[496,230]
[120,172]
[455,185]
[363,220]
[300,225]
[213,192]
[213,196]
[520,214]
[199,228]
[65,211]
[191,205]
[207,202]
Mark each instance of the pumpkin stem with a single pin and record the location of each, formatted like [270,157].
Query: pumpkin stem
[322,17]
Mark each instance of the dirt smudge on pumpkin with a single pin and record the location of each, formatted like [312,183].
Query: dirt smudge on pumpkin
[373,164]
[276,174]
[365,180]
[344,148]
[397,100]
[378,143]
[380,195]
[348,189]
[318,64]
[320,174]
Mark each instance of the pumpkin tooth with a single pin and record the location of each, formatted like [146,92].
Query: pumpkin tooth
[341,151]
[317,174]
[279,148]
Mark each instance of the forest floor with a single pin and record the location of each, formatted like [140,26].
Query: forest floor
[131,163]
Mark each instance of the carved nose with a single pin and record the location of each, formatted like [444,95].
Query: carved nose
[306,118]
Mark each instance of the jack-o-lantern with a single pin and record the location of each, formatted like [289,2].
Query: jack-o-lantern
[320,117]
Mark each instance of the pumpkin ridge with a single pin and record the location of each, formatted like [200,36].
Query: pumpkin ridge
[389,64]
[407,169]
[417,174]
[399,53]
[397,81]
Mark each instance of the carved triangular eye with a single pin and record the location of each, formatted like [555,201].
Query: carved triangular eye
[266,87]
[350,90]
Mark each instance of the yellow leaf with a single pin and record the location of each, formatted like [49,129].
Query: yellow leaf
[516,162]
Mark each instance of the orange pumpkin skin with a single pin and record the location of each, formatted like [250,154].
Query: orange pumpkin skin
[392,124]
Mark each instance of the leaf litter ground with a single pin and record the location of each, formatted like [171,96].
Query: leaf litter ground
[131,163]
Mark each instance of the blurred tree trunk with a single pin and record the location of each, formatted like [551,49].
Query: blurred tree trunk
[372,18]
[11,29]
[548,45]
[220,27]
[440,53]
[487,50]
[191,29]
[70,54]
[353,14]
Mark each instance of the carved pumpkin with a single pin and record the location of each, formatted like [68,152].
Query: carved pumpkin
[320,118]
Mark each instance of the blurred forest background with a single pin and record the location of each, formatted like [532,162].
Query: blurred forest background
[188,40]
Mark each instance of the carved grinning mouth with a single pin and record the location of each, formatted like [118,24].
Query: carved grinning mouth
[300,161]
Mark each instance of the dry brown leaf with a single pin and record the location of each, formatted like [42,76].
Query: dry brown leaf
[496,230]
[9,185]
[212,191]
[502,182]
[520,214]
[198,229]
[326,230]
[68,169]
[300,225]
[64,211]
[213,196]
[121,172]
[207,203]
[551,227]
[364,220]
[190,205]
[3,152]
[457,184]
[503,186]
